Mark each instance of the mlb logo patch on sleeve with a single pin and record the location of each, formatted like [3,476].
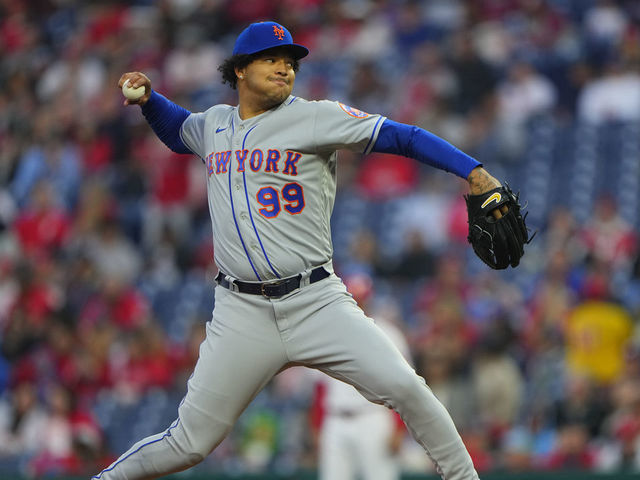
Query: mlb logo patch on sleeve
[354,112]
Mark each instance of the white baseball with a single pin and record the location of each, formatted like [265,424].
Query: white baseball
[132,93]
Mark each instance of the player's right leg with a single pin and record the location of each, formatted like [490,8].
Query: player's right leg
[241,353]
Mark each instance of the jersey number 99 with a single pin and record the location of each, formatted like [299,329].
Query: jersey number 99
[292,197]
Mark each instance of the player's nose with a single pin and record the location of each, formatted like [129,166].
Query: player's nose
[281,67]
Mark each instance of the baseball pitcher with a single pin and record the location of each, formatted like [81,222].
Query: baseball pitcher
[270,164]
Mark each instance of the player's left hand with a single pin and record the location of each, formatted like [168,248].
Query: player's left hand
[497,229]
[480,181]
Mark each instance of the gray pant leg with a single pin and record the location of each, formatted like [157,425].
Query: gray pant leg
[341,341]
[182,445]
[241,353]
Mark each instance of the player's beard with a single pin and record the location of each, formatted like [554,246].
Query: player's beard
[275,97]
[268,93]
[260,93]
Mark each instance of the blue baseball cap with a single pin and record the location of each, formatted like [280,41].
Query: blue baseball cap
[264,35]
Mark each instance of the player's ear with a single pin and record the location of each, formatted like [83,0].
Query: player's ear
[239,72]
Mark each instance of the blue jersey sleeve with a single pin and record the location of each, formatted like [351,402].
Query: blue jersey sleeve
[166,118]
[414,142]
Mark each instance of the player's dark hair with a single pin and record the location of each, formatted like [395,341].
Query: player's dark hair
[228,67]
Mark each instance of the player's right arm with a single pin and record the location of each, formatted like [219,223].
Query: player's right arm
[164,116]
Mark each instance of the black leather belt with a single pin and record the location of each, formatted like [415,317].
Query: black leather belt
[276,288]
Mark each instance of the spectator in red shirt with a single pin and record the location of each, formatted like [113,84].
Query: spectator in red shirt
[572,450]
[607,237]
[118,303]
[43,226]
[147,363]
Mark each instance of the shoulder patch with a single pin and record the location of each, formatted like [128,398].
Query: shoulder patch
[354,112]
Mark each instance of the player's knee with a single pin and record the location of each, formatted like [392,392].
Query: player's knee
[199,442]
[194,458]
[195,452]
[202,446]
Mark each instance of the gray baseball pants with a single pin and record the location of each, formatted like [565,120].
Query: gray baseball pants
[251,338]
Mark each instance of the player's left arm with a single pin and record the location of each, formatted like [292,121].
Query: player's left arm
[497,229]
[419,144]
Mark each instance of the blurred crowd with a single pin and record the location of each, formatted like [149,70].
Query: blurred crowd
[106,262]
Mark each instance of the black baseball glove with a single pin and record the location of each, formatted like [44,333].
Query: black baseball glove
[498,242]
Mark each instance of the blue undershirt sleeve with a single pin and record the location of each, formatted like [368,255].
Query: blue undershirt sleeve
[166,118]
[414,142]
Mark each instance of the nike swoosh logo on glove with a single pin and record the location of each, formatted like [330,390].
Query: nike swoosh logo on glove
[496,196]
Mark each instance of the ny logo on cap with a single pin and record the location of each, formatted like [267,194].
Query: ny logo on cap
[278,32]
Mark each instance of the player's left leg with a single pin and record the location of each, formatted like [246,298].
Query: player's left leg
[331,333]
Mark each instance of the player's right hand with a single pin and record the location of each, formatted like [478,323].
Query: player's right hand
[136,79]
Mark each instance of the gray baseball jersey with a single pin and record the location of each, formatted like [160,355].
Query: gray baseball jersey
[272,181]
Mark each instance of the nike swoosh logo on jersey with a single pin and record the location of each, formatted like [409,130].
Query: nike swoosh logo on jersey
[218,130]
[496,196]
